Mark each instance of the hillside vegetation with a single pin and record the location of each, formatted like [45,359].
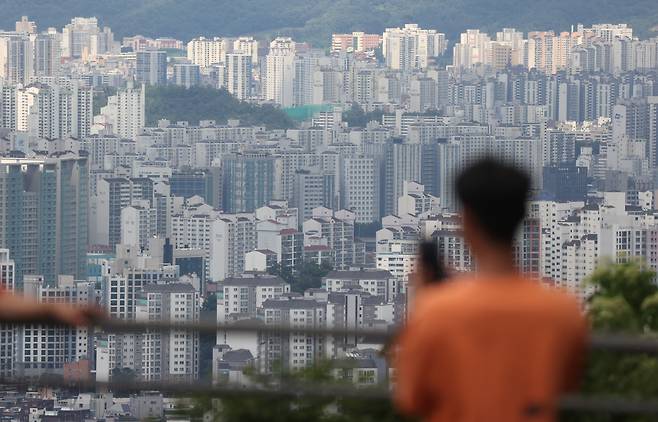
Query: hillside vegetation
[177,103]
[315,21]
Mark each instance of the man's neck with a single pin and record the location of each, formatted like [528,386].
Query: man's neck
[496,262]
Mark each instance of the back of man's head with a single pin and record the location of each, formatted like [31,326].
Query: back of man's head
[494,195]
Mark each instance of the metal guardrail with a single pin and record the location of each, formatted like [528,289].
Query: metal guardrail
[569,403]
[608,405]
[208,327]
[603,342]
[579,403]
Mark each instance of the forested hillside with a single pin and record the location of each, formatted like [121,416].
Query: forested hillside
[177,103]
[315,20]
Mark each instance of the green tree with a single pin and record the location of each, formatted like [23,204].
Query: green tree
[307,275]
[253,407]
[367,229]
[315,21]
[356,117]
[207,340]
[626,301]
[177,103]
[125,376]
[100,97]
[285,273]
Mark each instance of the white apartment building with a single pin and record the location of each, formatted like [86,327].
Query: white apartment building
[190,228]
[83,39]
[241,297]
[293,351]
[168,355]
[231,237]
[411,47]
[16,58]
[124,113]
[205,52]
[416,201]
[51,111]
[280,72]
[47,54]
[359,187]
[471,49]
[577,237]
[239,75]
[396,249]
[138,224]
[121,288]
[42,349]
[335,230]
[248,46]
[377,282]
[7,331]
[461,151]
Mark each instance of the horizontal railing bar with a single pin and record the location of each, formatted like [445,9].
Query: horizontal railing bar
[609,405]
[569,403]
[122,326]
[600,342]
[187,389]
[606,342]
[624,343]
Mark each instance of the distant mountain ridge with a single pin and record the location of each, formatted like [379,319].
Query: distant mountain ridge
[314,21]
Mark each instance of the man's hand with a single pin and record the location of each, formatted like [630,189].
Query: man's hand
[76,315]
[27,310]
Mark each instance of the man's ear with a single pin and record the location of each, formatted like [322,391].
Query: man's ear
[466,219]
[469,226]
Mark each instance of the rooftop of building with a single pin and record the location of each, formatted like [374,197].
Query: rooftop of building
[292,303]
[168,288]
[362,274]
[237,356]
[253,280]
[316,248]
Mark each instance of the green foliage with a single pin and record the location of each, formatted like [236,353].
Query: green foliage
[367,230]
[299,408]
[629,280]
[125,376]
[207,340]
[210,303]
[626,301]
[612,314]
[177,103]
[650,312]
[315,21]
[308,275]
[356,117]
[100,97]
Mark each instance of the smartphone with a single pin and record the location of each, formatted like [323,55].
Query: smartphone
[428,259]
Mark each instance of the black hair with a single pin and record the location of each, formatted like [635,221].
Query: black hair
[495,194]
[428,257]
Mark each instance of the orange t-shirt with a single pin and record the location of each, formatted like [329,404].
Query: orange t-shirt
[489,350]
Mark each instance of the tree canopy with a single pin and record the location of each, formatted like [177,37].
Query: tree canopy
[307,275]
[626,302]
[177,103]
[356,117]
[300,408]
[316,21]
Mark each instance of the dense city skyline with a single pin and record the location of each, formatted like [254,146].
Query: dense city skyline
[312,216]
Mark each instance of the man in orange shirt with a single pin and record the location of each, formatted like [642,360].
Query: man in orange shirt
[492,345]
